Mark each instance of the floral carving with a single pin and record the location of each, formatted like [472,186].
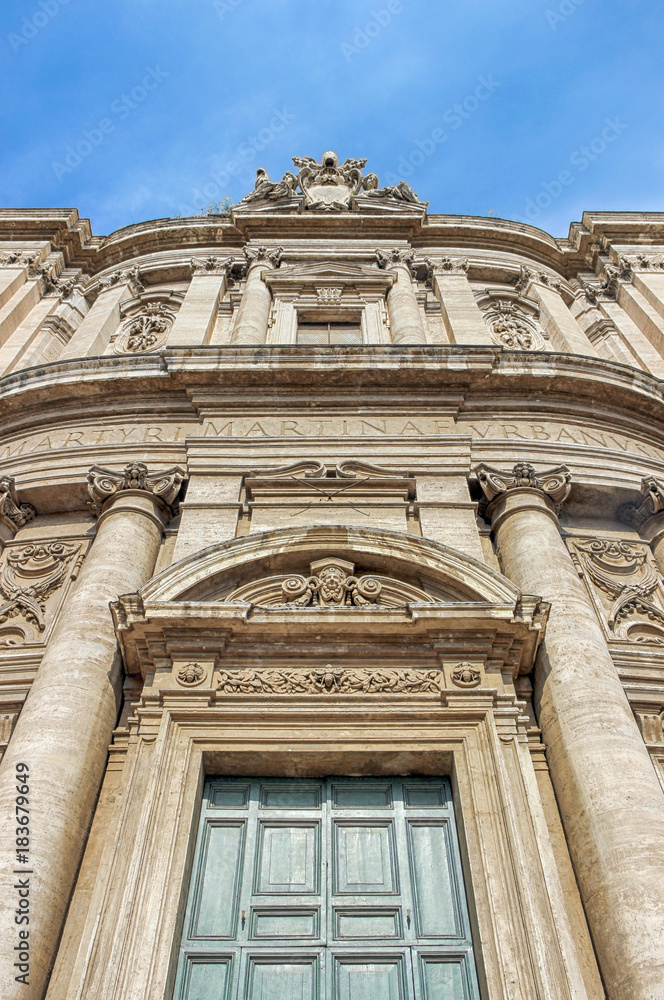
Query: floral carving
[394,258]
[130,276]
[267,256]
[454,265]
[191,674]
[330,680]
[555,483]
[332,586]
[147,331]
[105,483]
[510,328]
[465,675]
[30,574]
[18,258]
[643,262]
[11,509]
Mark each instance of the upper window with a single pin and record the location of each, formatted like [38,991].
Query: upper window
[326,333]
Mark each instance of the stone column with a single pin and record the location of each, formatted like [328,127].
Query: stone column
[611,803]
[462,316]
[648,517]
[63,732]
[13,513]
[102,320]
[565,332]
[254,311]
[195,321]
[406,325]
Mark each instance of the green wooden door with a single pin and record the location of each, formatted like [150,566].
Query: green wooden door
[346,889]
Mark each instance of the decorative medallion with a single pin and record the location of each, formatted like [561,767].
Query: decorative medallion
[465,675]
[191,674]
[511,328]
[145,332]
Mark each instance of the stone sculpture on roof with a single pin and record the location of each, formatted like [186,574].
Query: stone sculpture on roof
[329,186]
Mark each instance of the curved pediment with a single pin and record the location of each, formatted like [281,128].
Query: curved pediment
[255,567]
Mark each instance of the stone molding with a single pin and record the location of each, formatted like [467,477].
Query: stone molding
[105,484]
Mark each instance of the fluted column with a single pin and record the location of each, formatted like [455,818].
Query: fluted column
[610,800]
[647,517]
[195,321]
[406,325]
[254,311]
[102,320]
[63,732]
[13,513]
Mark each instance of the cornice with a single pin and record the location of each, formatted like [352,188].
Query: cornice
[67,232]
[220,373]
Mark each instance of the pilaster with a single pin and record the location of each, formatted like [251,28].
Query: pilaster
[93,335]
[462,316]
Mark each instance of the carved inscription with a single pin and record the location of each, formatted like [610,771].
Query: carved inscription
[304,426]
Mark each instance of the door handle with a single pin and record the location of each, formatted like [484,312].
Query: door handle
[244,918]
[408,917]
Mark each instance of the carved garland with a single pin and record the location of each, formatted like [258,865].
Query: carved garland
[331,680]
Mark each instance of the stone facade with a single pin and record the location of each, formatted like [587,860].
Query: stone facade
[333,486]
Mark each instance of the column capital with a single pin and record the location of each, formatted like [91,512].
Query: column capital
[554,485]
[129,276]
[13,513]
[215,265]
[651,502]
[105,485]
[397,257]
[263,256]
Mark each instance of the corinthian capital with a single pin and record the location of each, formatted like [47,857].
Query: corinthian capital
[11,509]
[105,483]
[651,502]
[393,258]
[270,256]
[211,265]
[555,483]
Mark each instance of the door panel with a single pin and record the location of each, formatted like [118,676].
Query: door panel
[364,860]
[346,889]
[375,978]
[287,858]
[215,910]
[435,905]
[279,979]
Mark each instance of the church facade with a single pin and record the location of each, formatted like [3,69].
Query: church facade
[332,602]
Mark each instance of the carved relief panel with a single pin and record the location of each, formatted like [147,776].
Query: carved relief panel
[146,322]
[34,580]
[624,585]
[512,321]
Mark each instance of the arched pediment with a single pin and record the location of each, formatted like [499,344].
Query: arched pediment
[254,568]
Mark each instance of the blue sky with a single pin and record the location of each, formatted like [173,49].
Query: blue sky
[527,109]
